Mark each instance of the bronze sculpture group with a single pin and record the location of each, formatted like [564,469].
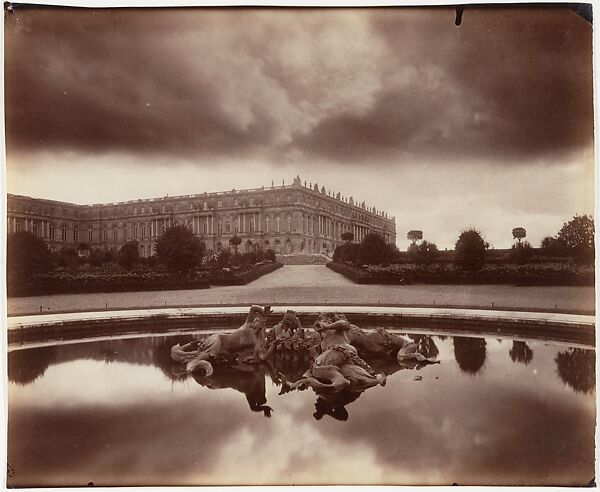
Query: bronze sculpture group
[333,346]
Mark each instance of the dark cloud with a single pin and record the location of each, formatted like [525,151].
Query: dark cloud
[510,83]
[111,80]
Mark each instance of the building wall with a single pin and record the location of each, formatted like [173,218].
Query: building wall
[292,218]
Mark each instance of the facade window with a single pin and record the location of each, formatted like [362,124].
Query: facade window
[191,206]
[35,230]
[228,227]
[252,202]
[278,225]
[205,206]
[64,234]
[236,202]
[115,234]
[104,235]
[251,224]
[135,231]
[176,206]
[135,210]
[267,223]
[143,232]
[52,231]
[90,237]
[76,235]
[219,203]
[162,230]
[19,225]
[289,224]
[143,210]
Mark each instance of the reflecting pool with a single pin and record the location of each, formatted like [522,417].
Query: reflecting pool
[117,412]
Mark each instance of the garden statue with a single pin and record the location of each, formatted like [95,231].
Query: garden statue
[199,353]
[331,348]
[338,366]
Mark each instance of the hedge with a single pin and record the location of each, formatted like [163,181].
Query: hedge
[522,276]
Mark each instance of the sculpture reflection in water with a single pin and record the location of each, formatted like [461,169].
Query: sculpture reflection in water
[324,357]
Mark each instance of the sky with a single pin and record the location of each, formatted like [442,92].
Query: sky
[488,124]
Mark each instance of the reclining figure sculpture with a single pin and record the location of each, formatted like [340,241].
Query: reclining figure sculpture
[332,346]
[222,345]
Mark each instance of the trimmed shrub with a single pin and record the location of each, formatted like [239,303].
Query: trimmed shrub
[470,250]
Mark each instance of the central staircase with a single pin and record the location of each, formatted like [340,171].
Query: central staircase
[303,259]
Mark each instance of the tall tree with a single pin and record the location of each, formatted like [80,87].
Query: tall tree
[519,233]
[129,254]
[26,255]
[425,253]
[413,237]
[578,237]
[374,250]
[179,249]
[470,250]
[348,236]
[235,241]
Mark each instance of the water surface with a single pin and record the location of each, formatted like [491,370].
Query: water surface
[113,412]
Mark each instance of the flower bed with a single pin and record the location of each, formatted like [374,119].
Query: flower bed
[242,276]
[547,274]
[113,280]
[67,282]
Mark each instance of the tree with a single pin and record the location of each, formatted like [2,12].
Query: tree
[348,237]
[179,249]
[67,257]
[96,257]
[578,237]
[521,252]
[129,254]
[470,250]
[348,252]
[414,236]
[270,255]
[373,250]
[235,241]
[519,233]
[425,253]
[26,255]
[553,246]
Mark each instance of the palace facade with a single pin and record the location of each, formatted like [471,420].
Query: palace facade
[287,218]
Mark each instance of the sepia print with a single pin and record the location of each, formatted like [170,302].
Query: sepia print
[300,246]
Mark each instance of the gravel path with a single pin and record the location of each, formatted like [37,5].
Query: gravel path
[316,284]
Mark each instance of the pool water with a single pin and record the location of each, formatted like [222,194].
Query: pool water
[114,412]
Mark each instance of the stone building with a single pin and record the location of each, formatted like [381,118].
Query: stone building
[287,218]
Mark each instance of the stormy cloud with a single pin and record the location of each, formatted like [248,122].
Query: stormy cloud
[350,85]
